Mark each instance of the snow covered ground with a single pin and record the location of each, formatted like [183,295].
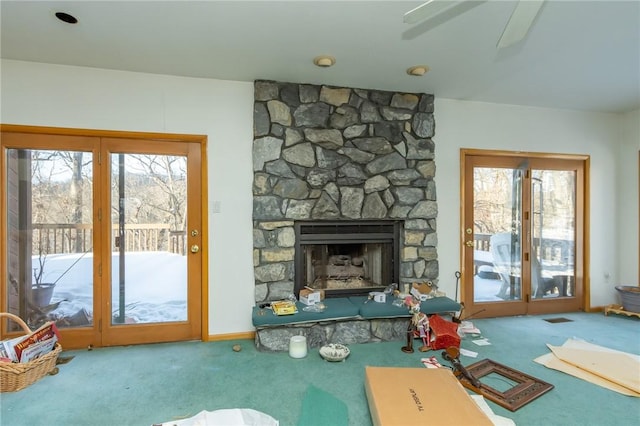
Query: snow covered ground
[155,287]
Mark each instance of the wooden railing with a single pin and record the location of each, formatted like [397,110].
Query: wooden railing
[54,238]
[548,249]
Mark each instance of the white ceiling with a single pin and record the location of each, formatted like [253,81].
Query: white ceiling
[581,55]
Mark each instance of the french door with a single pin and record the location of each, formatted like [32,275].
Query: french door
[102,234]
[522,233]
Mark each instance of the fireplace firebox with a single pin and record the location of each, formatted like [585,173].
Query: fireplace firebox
[347,258]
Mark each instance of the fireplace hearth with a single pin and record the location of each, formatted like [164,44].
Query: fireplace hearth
[346,258]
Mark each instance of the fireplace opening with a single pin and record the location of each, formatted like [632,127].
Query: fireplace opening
[346,258]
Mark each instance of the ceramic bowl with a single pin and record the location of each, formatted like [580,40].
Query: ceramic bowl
[334,352]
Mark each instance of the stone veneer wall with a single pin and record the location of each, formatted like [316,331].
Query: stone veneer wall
[332,153]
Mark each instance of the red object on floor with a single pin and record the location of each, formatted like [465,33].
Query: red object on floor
[445,332]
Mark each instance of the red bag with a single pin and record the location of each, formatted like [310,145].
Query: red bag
[444,333]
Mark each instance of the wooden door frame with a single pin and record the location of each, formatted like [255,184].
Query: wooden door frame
[582,240]
[201,140]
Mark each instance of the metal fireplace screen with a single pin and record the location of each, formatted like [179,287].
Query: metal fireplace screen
[346,258]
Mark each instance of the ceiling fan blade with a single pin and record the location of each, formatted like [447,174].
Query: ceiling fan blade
[520,22]
[427,10]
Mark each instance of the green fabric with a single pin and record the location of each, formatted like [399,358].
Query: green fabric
[320,408]
[337,308]
[372,309]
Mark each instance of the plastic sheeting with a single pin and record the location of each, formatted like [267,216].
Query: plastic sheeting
[227,417]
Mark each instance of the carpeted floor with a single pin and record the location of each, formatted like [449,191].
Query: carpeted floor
[147,384]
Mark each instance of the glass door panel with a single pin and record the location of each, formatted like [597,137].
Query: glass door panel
[148,222]
[553,230]
[49,226]
[497,214]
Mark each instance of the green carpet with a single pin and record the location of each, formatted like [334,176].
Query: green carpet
[321,408]
[147,384]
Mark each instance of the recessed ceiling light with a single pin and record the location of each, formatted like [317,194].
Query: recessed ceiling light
[418,70]
[65,17]
[324,61]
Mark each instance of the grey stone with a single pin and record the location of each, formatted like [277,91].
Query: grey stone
[271,255]
[385,163]
[395,113]
[424,209]
[354,131]
[277,130]
[410,196]
[373,145]
[329,159]
[351,332]
[399,212]
[431,190]
[312,115]
[301,154]
[289,94]
[349,181]
[280,290]
[279,168]
[426,103]
[265,149]
[373,207]
[325,208]
[261,123]
[423,125]
[292,137]
[419,149]
[388,330]
[299,209]
[352,199]
[332,190]
[357,155]
[333,96]
[270,272]
[369,113]
[427,168]
[279,112]
[376,183]
[351,170]
[265,90]
[317,178]
[309,93]
[428,253]
[419,267]
[389,130]
[291,188]
[431,240]
[344,117]
[404,100]
[261,185]
[406,269]
[261,291]
[388,198]
[327,138]
[258,239]
[416,224]
[432,270]
[266,207]
[380,97]
[402,177]
[401,147]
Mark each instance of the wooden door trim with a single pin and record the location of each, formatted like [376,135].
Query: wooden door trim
[581,240]
[201,140]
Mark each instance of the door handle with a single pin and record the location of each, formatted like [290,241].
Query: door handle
[195,248]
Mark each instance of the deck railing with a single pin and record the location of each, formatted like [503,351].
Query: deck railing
[548,249]
[54,238]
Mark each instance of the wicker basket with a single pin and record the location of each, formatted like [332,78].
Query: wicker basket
[17,376]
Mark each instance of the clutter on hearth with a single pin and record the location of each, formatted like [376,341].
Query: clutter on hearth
[434,331]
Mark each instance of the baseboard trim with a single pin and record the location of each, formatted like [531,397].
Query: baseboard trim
[231,336]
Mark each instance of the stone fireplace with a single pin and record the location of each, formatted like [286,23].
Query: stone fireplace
[346,258]
[328,163]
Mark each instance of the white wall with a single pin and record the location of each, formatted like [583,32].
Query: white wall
[61,96]
[627,189]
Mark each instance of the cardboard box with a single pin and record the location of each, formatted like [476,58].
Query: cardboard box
[311,297]
[419,396]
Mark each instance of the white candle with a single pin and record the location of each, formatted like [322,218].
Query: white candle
[298,347]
